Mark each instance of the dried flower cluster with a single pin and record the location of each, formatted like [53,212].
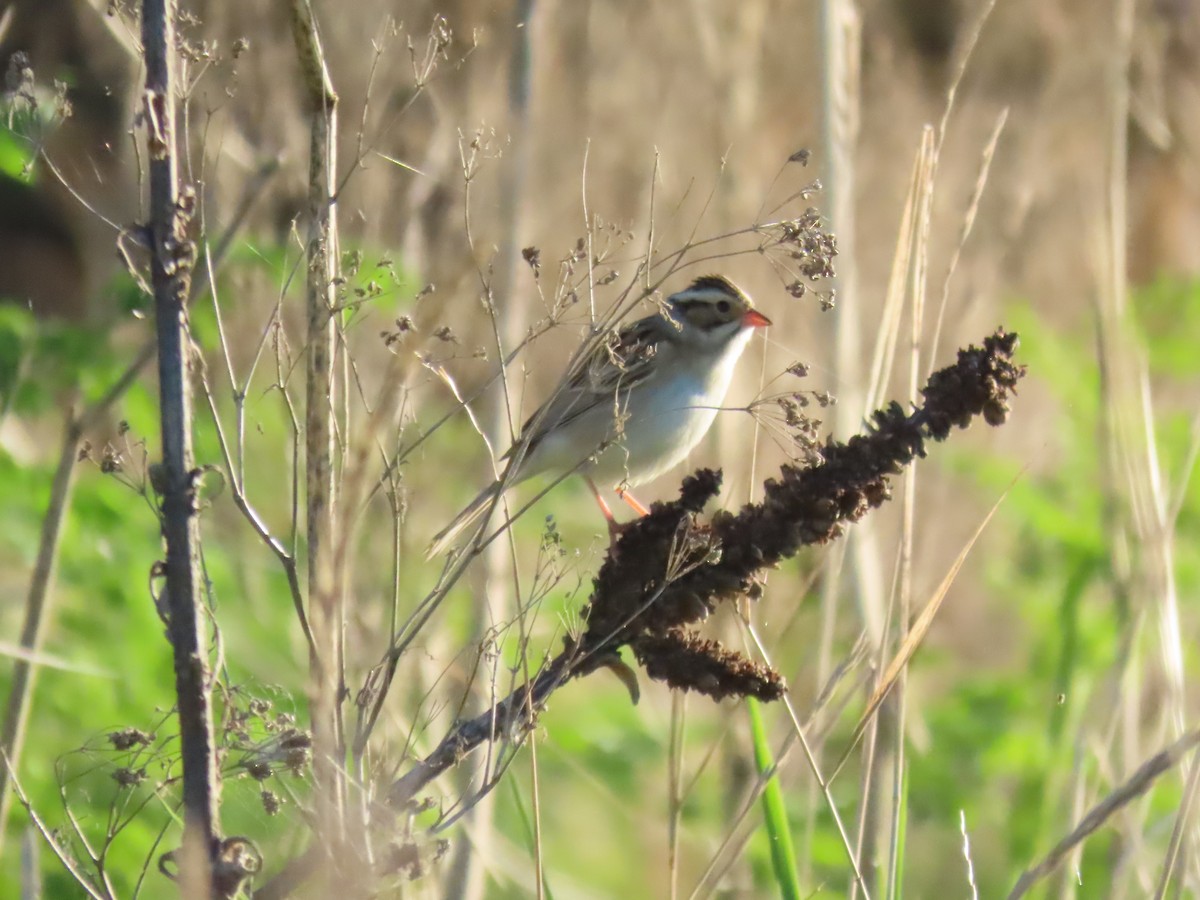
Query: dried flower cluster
[810,244]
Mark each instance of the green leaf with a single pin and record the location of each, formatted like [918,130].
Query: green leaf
[16,156]
[783,853]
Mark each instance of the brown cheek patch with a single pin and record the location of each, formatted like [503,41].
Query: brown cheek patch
[705,316]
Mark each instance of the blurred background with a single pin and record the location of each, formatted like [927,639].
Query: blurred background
[1056,194]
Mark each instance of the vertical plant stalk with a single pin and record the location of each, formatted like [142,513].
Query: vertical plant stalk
[841,28]
[510,315]
[16,713]
[325,607]
[171,259]
[902,616]
[1138,509]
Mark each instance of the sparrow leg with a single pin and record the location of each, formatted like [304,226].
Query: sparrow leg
[604,508]
[614,527]
[633,502]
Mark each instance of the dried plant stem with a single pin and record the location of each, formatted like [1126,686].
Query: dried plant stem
[841,28]
[499,589]
[1137,784]
[840,36]
[512,714]
[1182,823]
[64,855]
[325,603]
[675,796]
[171,259]
[879,616]
[37,608]
[917,286]
[840,31]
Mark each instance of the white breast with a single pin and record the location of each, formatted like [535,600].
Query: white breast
[669,414]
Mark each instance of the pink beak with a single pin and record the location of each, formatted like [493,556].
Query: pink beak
[754,319]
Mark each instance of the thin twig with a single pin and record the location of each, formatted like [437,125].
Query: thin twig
[64,855]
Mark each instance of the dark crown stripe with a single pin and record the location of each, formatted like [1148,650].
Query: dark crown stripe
[714,283]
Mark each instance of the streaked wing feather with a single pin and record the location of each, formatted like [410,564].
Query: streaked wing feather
[617,364]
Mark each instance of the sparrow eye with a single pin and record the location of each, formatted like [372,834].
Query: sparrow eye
[723,306]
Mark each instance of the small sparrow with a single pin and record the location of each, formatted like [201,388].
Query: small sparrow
[637,405]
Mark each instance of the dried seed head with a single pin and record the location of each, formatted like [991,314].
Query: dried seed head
[110,462]
[128,738]
[127,777]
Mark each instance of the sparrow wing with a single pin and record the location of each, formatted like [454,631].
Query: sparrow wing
[620,361]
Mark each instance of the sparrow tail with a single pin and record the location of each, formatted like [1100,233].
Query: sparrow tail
[445,538]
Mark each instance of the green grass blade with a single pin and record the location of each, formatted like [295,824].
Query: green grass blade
[783,854]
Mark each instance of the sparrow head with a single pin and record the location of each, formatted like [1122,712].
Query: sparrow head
[713,309]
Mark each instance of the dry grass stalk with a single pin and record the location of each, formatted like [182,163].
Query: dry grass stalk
[1136,785]
[326,611]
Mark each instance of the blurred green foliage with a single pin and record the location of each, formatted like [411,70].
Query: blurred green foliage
[1005,742]
[28,113]
[16,160]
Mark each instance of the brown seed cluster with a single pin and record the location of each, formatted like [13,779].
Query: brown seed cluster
[689,662]
[668,571]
